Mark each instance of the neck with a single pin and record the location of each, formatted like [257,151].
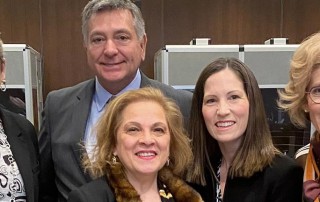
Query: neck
[228,153]
[114,87]
[146,186]
[229,149]
[225,165]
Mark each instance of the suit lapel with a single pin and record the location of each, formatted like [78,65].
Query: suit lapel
[81,112]
[79,121]
[144,81]
[19,148]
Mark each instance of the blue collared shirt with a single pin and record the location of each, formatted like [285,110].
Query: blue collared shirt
[100,97]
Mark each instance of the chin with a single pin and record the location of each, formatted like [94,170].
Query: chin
[150,171]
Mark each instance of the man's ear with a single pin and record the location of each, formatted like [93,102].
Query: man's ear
[143,46]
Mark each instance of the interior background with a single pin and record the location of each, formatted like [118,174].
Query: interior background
[53,27]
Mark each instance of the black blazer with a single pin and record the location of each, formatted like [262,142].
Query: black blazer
[23,141]
[280,182]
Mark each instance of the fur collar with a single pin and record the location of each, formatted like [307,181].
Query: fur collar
[124,191]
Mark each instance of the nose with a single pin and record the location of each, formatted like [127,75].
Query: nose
[110,48]
[147,138]
[223,108]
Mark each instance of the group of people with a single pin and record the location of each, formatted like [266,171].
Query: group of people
[124,137]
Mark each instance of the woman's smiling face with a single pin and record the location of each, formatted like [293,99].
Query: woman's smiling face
[143,139]
[225,107]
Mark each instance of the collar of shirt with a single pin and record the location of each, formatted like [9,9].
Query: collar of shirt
[100,98]
[102,95]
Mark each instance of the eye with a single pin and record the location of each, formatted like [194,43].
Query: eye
[159,131]
[209,101]
[123,37]
[315,91]
[97,40]
[234,97]
[132,130]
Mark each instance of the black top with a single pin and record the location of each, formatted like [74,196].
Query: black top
[99,191]
[280,182]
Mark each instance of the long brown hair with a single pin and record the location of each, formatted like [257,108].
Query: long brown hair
[256,150]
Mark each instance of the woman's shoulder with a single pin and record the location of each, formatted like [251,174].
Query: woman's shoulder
[284,177]
[281,159]
[15,119]
[283,165]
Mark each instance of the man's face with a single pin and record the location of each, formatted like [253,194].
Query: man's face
[114,51]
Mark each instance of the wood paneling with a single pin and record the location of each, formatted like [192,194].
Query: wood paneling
[64,55]
[152,16]
[228,21]
[53,27]
[20,22]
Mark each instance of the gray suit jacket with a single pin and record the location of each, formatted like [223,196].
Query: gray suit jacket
[22,138]
[63,127]
[97,190]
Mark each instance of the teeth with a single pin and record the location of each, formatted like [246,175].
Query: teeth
[225,124]
[145,154]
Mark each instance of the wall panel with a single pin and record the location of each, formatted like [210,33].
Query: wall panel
[230,21]
[64,55]
[20,22]
[53,27]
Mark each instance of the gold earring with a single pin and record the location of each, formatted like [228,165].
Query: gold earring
[114,159]
[3,85]
[306,111]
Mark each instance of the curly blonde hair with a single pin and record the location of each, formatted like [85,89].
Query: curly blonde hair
[111,119]
[293,98]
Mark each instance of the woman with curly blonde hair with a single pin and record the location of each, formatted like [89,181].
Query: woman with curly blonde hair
[301,99]
[142,149]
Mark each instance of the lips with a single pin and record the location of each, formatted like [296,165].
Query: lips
[110,63]
[225,123]
[146,154]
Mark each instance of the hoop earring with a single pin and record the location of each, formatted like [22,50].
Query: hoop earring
[3,85]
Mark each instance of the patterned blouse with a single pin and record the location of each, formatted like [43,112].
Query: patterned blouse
[218,188]
[11,183]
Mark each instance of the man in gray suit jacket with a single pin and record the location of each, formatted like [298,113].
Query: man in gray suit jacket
[115,41]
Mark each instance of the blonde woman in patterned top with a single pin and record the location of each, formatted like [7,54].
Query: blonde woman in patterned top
[19,153]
